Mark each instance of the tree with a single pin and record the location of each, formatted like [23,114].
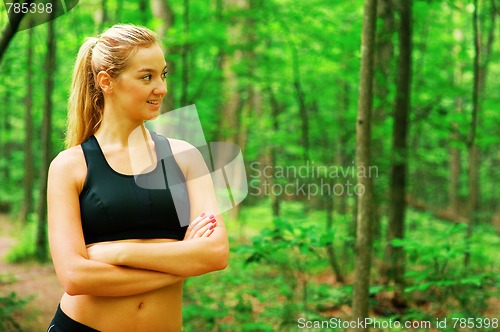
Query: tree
[162,11]
[185,56]
[50,68]
[363,138]
[27,207]
[395,229]
[482,53]
[383,86]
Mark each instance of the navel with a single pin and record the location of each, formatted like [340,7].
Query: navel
[140,305]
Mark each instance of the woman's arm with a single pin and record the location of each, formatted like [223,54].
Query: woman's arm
[190,257]
[77,274]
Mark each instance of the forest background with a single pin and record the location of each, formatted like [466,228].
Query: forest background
[370,134]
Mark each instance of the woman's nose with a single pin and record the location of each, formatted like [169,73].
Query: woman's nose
[161,88]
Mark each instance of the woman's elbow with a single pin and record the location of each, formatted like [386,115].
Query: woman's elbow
[75,282]
[71,284]
[221,257]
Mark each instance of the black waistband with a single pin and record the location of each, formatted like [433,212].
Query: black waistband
[63,323]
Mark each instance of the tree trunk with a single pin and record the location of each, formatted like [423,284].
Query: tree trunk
[5,150]
[185,57]
[228,122]
[454,163]
[104,14]
[363,140]
[252,106]
[275,111]
[341,159]
[302,105]
[395,230]
[481,59]
[340,155]
[330,249]
[162,11]
[145,12]
[50,67]
[454,150]
[383,83]
[27,206]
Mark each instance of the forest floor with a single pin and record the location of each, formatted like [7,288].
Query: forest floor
[34,280]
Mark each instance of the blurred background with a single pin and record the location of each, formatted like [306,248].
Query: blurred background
[281,79]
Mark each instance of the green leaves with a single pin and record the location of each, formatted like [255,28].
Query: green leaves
[10,306]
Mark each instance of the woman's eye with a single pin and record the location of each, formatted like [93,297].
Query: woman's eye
[147,77]
[164,74]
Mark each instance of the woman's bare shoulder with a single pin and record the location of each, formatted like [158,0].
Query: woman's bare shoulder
[70,157]
[188,157]
[180,146]
[70,164]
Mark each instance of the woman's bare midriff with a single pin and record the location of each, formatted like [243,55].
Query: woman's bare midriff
[156,311]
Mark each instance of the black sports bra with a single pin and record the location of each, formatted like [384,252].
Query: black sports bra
[114,207]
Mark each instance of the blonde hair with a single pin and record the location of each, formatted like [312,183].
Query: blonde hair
[111,53]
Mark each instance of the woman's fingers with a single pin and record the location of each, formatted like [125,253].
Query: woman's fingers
[210,230]
[206,230]
[200,226]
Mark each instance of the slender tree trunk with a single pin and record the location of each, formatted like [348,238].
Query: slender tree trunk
[50,67]
[330,248]
[302,105]
[275,111]
[395,254]
[383,83]
[471,147]
[185,57]
[341,159]
[454,164]
[363,142]
[481,59]
[162,11]
[454,151]
[232,100]
[299,90]
[234,104]
[5,146]
[252,106]
[454,185]
[104,14]
[27,206]
[340,153]
[144,11]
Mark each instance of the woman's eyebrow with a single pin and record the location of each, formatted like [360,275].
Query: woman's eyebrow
[150,70]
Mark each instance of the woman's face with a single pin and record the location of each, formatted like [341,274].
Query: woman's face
[140,88]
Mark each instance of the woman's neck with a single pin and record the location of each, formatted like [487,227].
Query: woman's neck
[116,129]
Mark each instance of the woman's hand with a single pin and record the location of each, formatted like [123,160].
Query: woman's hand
[105,252]
[202,226]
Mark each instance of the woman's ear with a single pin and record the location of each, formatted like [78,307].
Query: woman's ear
[105,82]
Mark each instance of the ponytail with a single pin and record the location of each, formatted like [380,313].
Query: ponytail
[85,101]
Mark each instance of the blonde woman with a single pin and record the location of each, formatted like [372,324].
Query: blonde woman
[119,249]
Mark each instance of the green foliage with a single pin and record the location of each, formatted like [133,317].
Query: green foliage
[24,250]
[10,305]
[278,276]
[437,271]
